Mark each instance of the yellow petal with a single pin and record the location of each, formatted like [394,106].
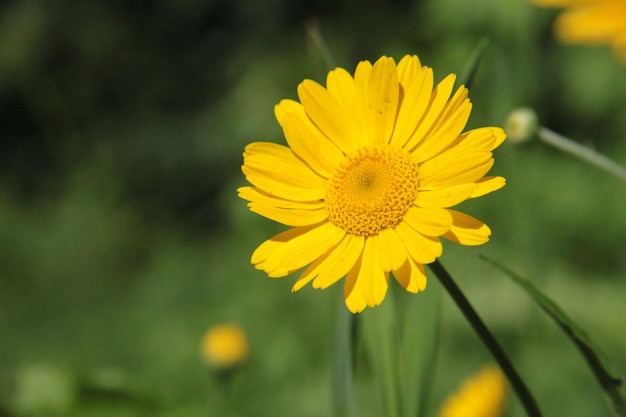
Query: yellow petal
[429,221]
[392,253]
[257,195]
[341,86]
[374,280]
[416,88]
[454,168]
[352,289]
[423,249]
[334,265]
[467,230]
[276,170]
[481,139]
[289,217]
[445,197]
[295,248]
[382,100]
[487,185]
[439,98]
[329,263]
[446,128]
[310,145]
[338,263]
[411,275]
[324,111]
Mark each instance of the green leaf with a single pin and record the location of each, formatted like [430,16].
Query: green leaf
[381,340]
[610,383]
[420,340]
[469,71]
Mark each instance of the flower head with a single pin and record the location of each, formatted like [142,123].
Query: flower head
[374,164]
[482,395]
[592,22]
[224,346]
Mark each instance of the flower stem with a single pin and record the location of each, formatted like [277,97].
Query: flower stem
[583,152]
[518,385]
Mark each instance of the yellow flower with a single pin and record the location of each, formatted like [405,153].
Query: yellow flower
[592,22]
[480,396]
[374,162]
[225,346]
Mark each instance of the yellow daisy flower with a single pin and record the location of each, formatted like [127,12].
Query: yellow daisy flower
[482,395]
[374,164]
[600,22]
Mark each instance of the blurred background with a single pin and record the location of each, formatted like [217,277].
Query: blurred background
[122,240]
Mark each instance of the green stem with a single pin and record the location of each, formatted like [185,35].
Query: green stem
[518,385]
[583,152]
[315,36]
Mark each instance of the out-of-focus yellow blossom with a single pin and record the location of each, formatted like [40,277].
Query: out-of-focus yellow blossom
[225,346]
[599,22]
[482,395]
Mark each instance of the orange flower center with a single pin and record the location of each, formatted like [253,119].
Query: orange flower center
[372,190]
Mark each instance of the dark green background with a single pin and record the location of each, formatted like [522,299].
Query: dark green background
[122,240]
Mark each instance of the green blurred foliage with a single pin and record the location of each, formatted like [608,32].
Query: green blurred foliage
[122,239]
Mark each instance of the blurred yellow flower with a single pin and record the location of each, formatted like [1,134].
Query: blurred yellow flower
[482,395]
[600,22]
[374,164]
[225,346]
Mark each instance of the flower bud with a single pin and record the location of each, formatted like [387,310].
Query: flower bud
[521,125]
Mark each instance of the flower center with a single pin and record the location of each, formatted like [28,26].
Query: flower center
[372,190]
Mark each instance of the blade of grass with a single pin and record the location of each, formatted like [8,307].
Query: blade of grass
[610,383]
[517,383]
[343,369]
[469,71]
[381,340]
[420,341]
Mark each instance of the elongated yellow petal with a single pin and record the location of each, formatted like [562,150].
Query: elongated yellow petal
[374,280]
[323,109]
[382,100]
[290,217]
[317,154]
[446,128]
[449,169]
[392,253]
[481,139]
[429,221]
[439,98]
[339,263]
[487,185]
[341,86]
[276,170]
[423,249]
[416,88]
[411,275]
[333,263]
[444,197]
[467,230]
[270,246]
[259,196]
[303,247]
[352,289]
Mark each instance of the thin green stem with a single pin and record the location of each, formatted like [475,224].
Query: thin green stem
[315,36]
[583,152]
[518,385]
